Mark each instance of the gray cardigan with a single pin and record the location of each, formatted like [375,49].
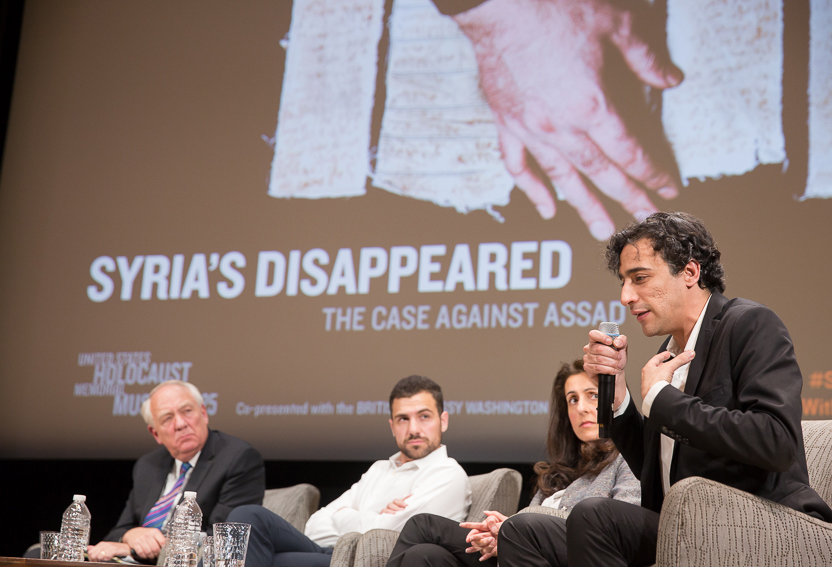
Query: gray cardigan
[615,481]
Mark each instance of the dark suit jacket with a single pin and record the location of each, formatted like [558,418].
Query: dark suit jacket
[737,421]
[229,473]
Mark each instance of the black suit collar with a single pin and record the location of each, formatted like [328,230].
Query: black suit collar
[205,462]
[713,314]
[703,342]
[166,461]
[157,483]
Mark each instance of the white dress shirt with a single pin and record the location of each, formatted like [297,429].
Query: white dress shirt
[680,378]
[436,485]
[554,500]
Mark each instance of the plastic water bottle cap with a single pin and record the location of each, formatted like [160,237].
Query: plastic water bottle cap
[189,494]
[79,498]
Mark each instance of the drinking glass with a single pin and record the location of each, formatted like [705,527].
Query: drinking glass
[230,544]
[208,551]
[50,545]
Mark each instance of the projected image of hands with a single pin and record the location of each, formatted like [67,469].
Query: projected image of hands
[542,68]
[577,101]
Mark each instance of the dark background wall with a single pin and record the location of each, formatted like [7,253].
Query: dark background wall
[11,15]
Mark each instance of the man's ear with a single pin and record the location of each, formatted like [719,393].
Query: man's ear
[692,273]
[154,433]
[443,419]
[393,431]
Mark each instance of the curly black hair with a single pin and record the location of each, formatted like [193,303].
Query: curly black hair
[679,238]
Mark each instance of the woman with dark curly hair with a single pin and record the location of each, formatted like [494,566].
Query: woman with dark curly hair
[580,465]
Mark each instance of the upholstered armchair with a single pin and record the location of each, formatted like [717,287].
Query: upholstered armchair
[498,490]
[707,524]
[294,503]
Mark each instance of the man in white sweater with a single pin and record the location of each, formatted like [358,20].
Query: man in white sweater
[419,478]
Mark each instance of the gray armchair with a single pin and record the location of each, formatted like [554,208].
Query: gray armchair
[707,524]
[498,490]
[704,523]
[294,503]
[544,510]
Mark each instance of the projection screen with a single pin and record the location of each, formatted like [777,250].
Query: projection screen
[294,205]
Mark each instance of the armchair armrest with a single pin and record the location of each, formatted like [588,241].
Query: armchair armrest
[544,510]
[705,523]
[344,553]
[375,547]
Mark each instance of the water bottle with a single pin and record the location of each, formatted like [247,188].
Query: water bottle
[75,530]
[183,533]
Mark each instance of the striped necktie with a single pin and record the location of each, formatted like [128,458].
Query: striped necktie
[157,515]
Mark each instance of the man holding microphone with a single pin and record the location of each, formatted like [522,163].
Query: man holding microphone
[721,401]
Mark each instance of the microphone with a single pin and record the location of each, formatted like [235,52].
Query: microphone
[606,390]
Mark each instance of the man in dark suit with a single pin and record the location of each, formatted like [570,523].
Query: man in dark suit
[224,471]
[721,400]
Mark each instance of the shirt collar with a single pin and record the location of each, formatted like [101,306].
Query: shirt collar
[694,334]
[177,464]
[439,454]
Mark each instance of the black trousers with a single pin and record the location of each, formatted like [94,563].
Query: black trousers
[428,540]
[274,542]
[602,532]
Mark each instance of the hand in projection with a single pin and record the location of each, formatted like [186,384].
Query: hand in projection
[541,68]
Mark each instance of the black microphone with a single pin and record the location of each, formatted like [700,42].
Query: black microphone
[606,390]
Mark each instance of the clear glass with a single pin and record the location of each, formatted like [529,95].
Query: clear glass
[50,545]
[208,551]
[230,544]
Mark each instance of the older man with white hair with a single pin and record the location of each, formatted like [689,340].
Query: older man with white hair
[224,471]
